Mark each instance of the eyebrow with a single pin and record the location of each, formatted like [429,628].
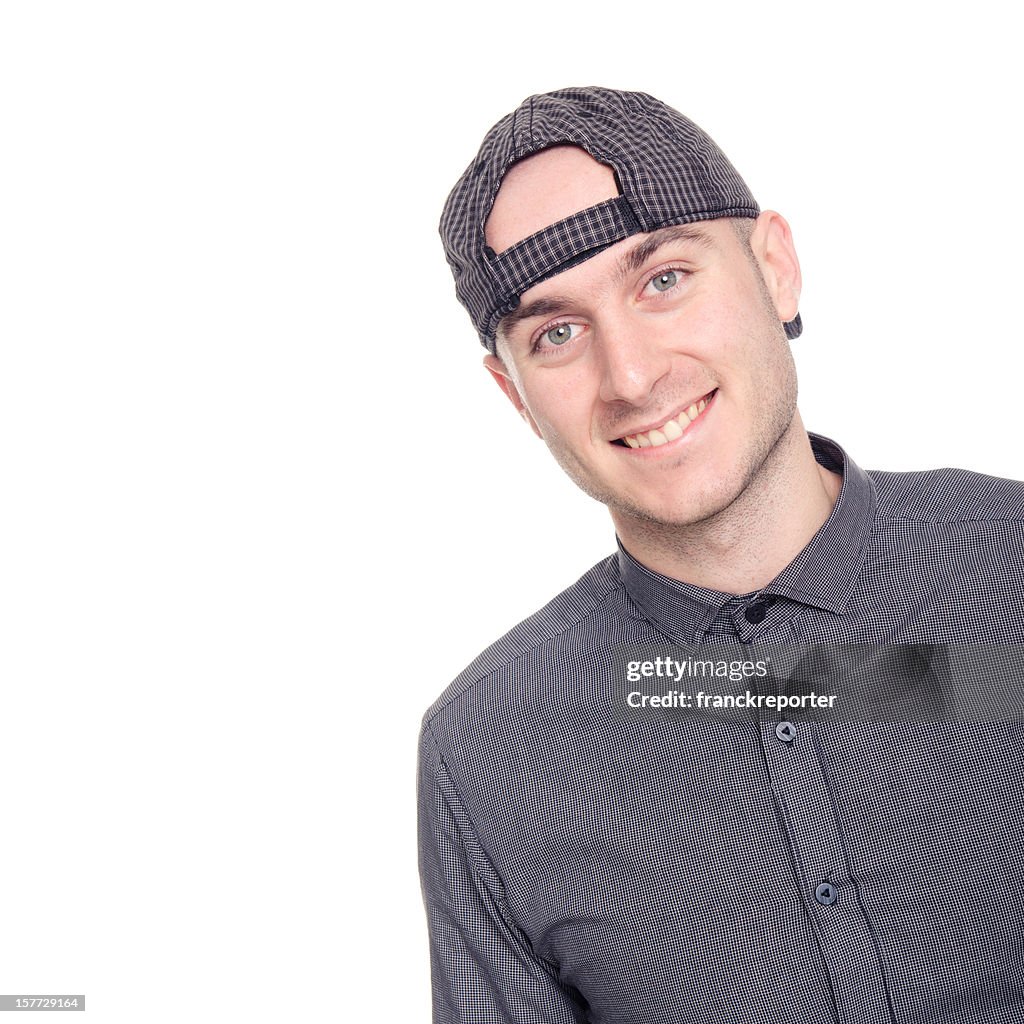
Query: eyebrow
[541,307]
[630,262]
[636,257]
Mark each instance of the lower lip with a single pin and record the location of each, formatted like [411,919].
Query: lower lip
[685,438]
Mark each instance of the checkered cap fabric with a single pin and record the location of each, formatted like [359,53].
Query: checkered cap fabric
[669,172]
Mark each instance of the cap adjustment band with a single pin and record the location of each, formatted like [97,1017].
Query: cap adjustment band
[559,246]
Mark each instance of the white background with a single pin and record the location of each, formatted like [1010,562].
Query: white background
[259,501]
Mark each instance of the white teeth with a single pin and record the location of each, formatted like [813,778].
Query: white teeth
[668,431]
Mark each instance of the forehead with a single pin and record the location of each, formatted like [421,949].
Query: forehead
[544,189]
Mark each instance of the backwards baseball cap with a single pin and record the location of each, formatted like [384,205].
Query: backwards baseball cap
[667,169]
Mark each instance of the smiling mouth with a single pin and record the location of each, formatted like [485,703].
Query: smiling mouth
[670,430]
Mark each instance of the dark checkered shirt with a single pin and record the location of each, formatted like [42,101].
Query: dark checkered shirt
[582,865]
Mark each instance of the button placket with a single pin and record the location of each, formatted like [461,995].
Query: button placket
[847,943]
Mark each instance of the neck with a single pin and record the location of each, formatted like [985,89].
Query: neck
[744,546]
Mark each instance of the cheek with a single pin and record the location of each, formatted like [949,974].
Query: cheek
[714,330]
[747,330]
[559,405]
[716,313]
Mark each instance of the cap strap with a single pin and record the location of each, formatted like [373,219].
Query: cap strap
[562,245]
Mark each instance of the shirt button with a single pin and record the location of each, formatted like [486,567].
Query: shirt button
[825,894]
[786,731]
[755,613]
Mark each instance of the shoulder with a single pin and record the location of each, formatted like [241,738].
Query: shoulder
[948,496]
[947,553]
[573,608]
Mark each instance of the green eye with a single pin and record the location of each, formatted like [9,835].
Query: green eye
[665,281]
[559,335]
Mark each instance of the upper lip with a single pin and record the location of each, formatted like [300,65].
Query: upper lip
[656,424]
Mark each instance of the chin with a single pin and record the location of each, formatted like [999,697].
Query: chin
[674,518]
[668,511]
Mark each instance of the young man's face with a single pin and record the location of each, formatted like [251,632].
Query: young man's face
[658,372]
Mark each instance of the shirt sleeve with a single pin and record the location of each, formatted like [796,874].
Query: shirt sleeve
[482,968]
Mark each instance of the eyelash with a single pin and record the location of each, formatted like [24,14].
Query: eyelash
[681,272]
[535,347]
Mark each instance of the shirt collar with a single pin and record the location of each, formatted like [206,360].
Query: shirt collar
[823,575]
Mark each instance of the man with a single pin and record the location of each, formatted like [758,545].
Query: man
[585,862]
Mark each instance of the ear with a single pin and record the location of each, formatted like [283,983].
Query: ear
[772,244]
[496,368]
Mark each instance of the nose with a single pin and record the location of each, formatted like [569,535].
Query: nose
[633,359]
